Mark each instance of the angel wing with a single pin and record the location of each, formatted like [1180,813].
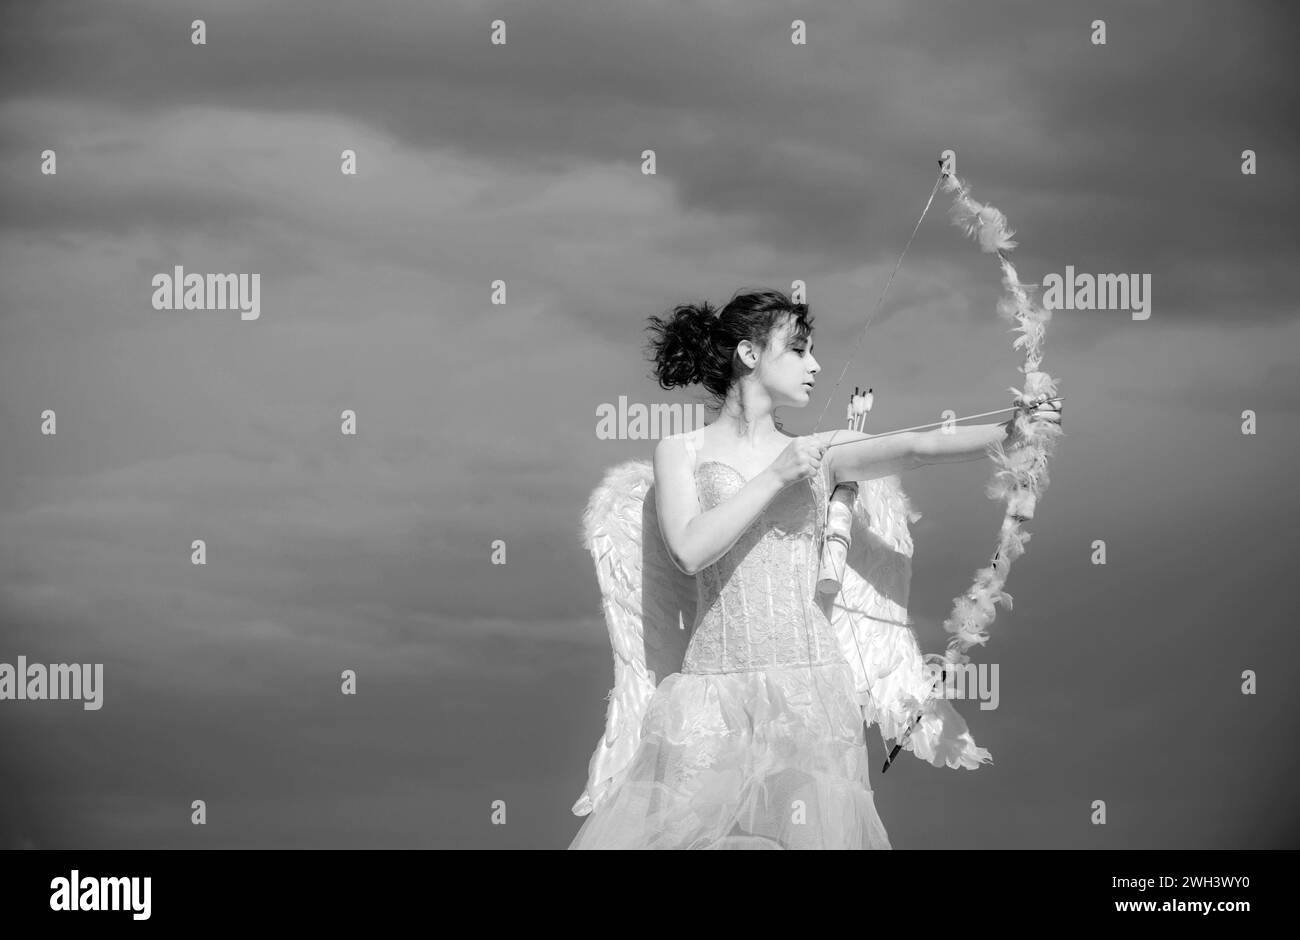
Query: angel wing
[649,608]
[871,623]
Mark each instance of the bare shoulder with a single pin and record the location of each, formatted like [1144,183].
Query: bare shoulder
[670,448]
[675,497]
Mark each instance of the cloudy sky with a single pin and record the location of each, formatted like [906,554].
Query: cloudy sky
[477,422]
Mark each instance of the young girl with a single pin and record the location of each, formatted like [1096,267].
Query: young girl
[757,742]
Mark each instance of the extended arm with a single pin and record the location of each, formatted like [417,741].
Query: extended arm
[697,539]
[960,443]
[856,456]
[868,458]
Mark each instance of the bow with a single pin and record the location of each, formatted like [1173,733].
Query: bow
[1020,474]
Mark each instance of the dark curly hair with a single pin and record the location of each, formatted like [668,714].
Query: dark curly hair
[697,344]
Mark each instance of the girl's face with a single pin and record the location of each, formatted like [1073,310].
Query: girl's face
[789,368]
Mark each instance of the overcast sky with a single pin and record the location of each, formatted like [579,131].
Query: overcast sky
[477,422]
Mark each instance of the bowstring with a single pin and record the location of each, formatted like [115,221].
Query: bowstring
[824,508]
[879,301]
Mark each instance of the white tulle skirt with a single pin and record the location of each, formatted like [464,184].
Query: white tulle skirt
[770,759]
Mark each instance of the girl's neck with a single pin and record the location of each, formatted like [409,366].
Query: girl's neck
[735,429]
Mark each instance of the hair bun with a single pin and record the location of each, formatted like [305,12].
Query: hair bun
[682,342]
[695,344]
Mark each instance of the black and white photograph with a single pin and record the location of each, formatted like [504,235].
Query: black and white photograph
[536,426]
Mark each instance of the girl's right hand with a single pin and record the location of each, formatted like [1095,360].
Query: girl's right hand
[801,458]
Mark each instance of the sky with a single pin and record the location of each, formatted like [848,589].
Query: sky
[477,421]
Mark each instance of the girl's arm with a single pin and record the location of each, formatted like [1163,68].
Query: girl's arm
[868,458]
[697,539]
[967,442]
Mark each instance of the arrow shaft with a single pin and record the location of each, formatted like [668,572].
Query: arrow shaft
[935,424]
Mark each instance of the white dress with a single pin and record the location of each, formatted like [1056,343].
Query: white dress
[757,743]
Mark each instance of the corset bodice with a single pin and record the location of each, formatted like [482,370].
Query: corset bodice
[757,604]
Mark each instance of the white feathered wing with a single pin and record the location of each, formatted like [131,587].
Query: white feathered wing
[649,608]
[871,623]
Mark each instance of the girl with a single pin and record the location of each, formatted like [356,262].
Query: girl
[757,742]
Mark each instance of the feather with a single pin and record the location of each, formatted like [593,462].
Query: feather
[893,681]
[649,606]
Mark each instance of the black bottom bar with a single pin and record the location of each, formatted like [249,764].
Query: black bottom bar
[334,889]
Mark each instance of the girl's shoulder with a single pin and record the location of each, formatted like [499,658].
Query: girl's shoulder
[690,441]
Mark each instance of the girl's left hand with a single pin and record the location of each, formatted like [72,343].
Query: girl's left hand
[1045,410]
[1048,410]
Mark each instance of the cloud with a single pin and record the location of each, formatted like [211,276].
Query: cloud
[521,164]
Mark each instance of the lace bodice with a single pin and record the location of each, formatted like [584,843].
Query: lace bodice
[757,604]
